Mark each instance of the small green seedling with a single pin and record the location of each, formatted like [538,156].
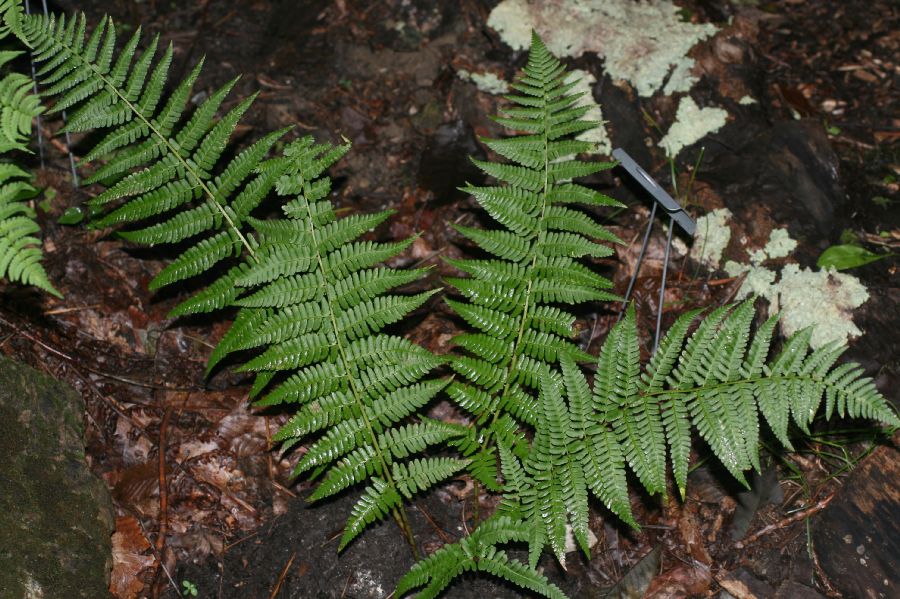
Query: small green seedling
[846,256]
[190,589]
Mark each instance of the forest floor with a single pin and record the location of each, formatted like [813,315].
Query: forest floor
[825,75]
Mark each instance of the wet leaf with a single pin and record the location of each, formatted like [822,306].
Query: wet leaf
[72,216]
[129,558]
[842,257]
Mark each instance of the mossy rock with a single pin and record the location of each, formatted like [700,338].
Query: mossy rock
[56,517]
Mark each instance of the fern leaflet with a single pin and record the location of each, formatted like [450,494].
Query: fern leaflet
[20,251]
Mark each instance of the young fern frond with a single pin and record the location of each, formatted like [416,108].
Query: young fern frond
[510,299]
[20,251]
[314,308]
[156,163]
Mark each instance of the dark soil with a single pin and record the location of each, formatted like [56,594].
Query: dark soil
[819,153]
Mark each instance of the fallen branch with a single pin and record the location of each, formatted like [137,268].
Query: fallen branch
[801,515]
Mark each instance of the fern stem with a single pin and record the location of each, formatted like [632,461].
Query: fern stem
[769,378]
[168,143]
[398,512]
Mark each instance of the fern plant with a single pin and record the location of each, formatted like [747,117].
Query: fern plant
[718,382]
[314,307]
[516,300]
[314,299]
[157,164]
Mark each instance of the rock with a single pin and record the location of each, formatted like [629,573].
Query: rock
[857,538]
[792,166]
[56,517]
[794,590]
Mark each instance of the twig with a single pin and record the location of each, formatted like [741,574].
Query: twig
[163,489]
[823,578]
[241,540]
[801,515]
[159,559]
[69,310]
[284,572]
[444,536]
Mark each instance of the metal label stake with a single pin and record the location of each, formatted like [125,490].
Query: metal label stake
[676,215]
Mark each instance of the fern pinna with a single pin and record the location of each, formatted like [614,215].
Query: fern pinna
[314,306]
[157,164]
[20,250]
[516,300]
[718,382]
[18,107]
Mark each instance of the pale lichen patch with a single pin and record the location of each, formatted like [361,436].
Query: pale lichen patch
[599,135]
[488,83]
[642,43]
[822,299]
[692,123]
[712,237]
[780,244]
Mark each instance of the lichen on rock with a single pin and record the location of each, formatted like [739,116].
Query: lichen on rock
[692,123]
[642,43]
[780,244]
[823,299]
[712,237]
[598,135]
[488,82]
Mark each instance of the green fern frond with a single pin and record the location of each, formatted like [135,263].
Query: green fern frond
[720,383]
[20,250]
[158,163]
[517,300]
[315,306]
[477,553]
[11,14]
